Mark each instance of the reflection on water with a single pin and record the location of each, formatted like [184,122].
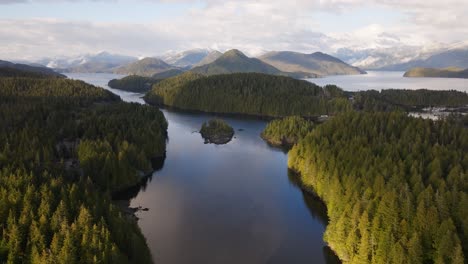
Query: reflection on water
[230,203]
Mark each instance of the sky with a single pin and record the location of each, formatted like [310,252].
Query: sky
[33,29]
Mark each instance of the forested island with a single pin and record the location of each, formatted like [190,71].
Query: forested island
[248,93]
[279,96]
[287,131]
[133,83]
[451,72]
[395,186]
[65,146]
[216,131]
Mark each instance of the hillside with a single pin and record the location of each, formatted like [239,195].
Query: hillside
[186,58]
[211,57]
[102,62]
[65,146]
[451,72]
[144,67]
[248,93]
[394,186]
[315,64]
[450,58]
[234,61]
[9,69]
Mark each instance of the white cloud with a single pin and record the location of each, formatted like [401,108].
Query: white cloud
[253,26]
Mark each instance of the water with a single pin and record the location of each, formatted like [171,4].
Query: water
[236,203]
[101,80]
[232,203]
[378,80]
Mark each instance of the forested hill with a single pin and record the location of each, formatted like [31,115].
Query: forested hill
[9,69]
[234,61]
[133,83]
[248,93]
[451,72]
[144,67]
[395,186]
[64,147]
[318,63]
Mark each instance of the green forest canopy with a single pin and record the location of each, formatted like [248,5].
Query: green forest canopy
[64,147]
[216,127]
[248,93]
[133,83]
[287,131]
[400,99]
[279,96]
[395,187]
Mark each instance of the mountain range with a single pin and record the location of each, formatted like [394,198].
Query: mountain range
[185,59]
[9,69]
[144,67]
[315,64]
[451,58]
[102,62]
[403,58]
[209,58]
[343,61]
[235,61]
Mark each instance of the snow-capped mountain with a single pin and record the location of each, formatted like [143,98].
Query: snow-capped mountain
[186,58]
[403,57]
[100,62]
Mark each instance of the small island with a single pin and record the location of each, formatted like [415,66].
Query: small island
[287,131]
[217,131]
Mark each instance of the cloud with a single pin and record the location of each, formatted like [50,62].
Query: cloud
[253,26]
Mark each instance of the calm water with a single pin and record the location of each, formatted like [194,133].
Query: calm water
[232,203]
[236,203]
[378,80]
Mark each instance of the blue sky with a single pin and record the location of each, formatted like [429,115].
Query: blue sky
[38,28]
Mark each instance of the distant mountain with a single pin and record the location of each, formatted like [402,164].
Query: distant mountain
[145,67]
[450,58]
[371,59]
[103,62]
[234,61]
[451,72]
[211,57]
[9,69]
[187,58]
[403,57]
[317,63]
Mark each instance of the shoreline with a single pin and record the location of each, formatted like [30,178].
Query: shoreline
[310,191]
[121,198]
[228,114]
[284,145]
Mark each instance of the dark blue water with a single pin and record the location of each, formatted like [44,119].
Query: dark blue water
[232,203]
